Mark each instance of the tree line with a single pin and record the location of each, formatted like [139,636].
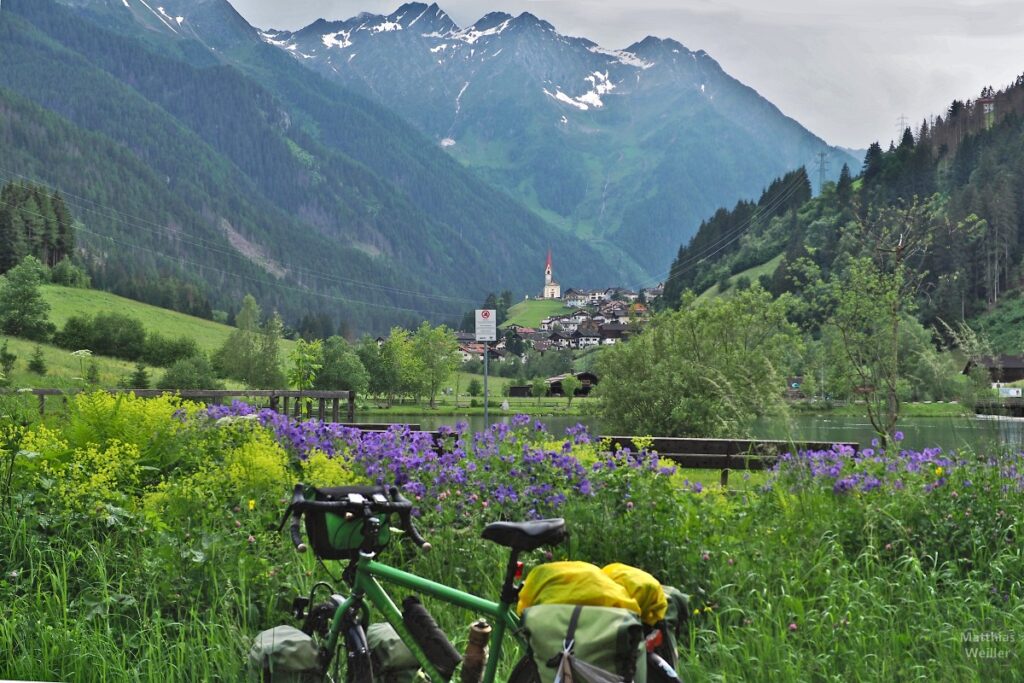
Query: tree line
[34,221]
[880,278]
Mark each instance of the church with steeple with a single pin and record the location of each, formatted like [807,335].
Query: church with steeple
[552,290]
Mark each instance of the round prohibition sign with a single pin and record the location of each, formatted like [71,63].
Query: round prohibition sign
[485,314]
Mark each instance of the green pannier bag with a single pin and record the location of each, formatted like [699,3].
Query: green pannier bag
[608,641]
[676,617]
[283,654]
[393,662]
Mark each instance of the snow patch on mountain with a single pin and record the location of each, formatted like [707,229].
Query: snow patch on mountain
[331,39]
[384,27]
[565,99]
[471,34]
[157,15]
[447,142]
[600,85]
[621,56]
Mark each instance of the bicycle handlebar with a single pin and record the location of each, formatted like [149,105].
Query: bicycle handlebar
[397,504]
[407,525]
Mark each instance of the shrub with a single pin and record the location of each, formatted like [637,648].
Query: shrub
[76,333]
[139,379]
[160,351]
[117,335]
[68,274]
[475,388]
[107,334]
[37,363]
[92,374]
[7,361]
[190,373]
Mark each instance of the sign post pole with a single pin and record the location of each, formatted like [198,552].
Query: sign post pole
[486,331]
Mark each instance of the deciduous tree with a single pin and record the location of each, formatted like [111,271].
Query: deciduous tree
[708,369]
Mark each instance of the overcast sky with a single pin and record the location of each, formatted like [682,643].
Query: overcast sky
[845,69]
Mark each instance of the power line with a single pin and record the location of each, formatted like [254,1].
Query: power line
[230,274]
[692,260]
[136,223]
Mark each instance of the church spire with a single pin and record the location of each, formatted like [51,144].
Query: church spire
[548,266]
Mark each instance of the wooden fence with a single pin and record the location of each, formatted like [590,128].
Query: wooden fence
[724,455]
[320,404]
[699,454]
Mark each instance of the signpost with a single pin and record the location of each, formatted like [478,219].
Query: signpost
[486,331]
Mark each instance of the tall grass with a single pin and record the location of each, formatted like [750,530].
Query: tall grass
[812,573]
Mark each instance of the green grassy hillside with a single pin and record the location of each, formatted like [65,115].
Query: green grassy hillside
[66,302]
[65,370]
[752,274]
[1002,325]
[62,369]
[209,335]
[529,313]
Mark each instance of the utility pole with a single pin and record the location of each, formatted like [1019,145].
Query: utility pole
[901,127]
[822,169]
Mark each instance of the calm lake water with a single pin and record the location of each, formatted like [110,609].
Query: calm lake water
[947,432]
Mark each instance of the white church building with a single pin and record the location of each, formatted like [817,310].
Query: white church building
[552,290]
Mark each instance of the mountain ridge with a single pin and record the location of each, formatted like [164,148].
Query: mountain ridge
[609,143]
[316,179]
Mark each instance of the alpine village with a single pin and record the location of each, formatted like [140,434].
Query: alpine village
[541,342]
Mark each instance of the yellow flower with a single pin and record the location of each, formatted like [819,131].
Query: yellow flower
[252,505]
[696,612]
[938,471]
[708,608]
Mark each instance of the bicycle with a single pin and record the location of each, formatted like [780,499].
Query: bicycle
[351,523]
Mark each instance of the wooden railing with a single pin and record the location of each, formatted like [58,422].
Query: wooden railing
[724,455]
[321,404]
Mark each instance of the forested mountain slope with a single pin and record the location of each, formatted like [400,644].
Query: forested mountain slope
[964,173]
[182,165]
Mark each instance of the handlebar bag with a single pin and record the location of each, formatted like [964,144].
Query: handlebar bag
[598,644]
[339,535]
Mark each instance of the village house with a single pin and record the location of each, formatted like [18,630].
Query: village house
[1000,369]
[558,340]
[613,333]
[588,381]
[585,337]
[475,351]
[575,298]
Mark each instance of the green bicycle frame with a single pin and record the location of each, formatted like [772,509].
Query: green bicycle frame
[366,586]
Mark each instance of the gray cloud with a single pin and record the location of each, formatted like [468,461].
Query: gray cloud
[846,70]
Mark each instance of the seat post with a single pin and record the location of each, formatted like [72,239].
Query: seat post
[509,592]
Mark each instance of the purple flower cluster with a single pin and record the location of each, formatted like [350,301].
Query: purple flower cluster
[508,470]
[300,436]
[870,469]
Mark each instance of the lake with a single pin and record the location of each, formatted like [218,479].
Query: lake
[982,434]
